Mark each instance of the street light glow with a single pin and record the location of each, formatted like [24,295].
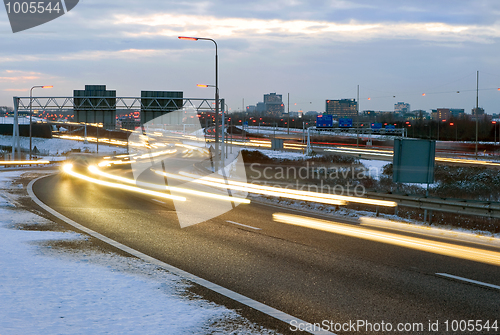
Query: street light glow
[47,86]
[188,38]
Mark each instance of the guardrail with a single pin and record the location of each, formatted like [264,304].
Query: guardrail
[457,206]
[465,207]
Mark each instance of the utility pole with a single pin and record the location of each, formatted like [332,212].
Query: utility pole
[357,120]
[477,108]
[288,104]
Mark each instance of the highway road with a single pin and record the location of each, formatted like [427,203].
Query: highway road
[311,274]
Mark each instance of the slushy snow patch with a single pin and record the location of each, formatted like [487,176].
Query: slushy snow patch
[48,290]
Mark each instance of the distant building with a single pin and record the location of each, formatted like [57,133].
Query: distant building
[457,113]
[260,108]
[480,111]
[344,108]
[481,115]
[401,108]
[251,108]
[311,113]
[447,113]
[5,110]
[296,114]
[274,104]
[421,114]
[443,114]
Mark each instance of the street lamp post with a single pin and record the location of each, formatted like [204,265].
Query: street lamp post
[477,109]
[452,124]
[217,123]
[31,109]
[495,128]
[216,86]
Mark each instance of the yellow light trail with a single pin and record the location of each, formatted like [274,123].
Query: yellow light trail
[93,139]
[387,153]
[93,169]
[260,141]
[439,232]
[155,154]
[295,145]
[68,168]
[369,150]
[440,248]
[245,187]
[117,162]
[250,144]
[23,162]
[466,161]
[359,152]
[289,193]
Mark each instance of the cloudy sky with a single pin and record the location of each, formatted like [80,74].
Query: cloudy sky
[395,50]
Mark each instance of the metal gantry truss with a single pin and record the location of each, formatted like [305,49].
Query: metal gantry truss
[95,103]
[119,103]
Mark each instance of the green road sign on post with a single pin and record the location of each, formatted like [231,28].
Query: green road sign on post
[414,161]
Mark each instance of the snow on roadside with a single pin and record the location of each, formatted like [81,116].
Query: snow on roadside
[375,167]
[46,290]
[289,155]
[57,146]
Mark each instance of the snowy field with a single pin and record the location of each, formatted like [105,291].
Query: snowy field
[48,290]
[283,130]
[50,147]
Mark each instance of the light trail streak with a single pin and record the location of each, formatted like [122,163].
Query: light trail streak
[93,169]
[439,232]
[290,193]
[466,161]
[440,248]
[246,188]
[272,191]
[23,162]
[93,140]
[68,168]
[387,153]
[359,152]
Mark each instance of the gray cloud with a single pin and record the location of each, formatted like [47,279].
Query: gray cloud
[316,50]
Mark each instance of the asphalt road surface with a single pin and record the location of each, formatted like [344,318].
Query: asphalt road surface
[311,274]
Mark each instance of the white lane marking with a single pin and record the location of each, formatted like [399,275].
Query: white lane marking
[160,202]
[469,280]
[277,314]
[243,225]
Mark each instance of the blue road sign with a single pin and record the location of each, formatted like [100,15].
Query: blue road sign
[345,123]
[324,121]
